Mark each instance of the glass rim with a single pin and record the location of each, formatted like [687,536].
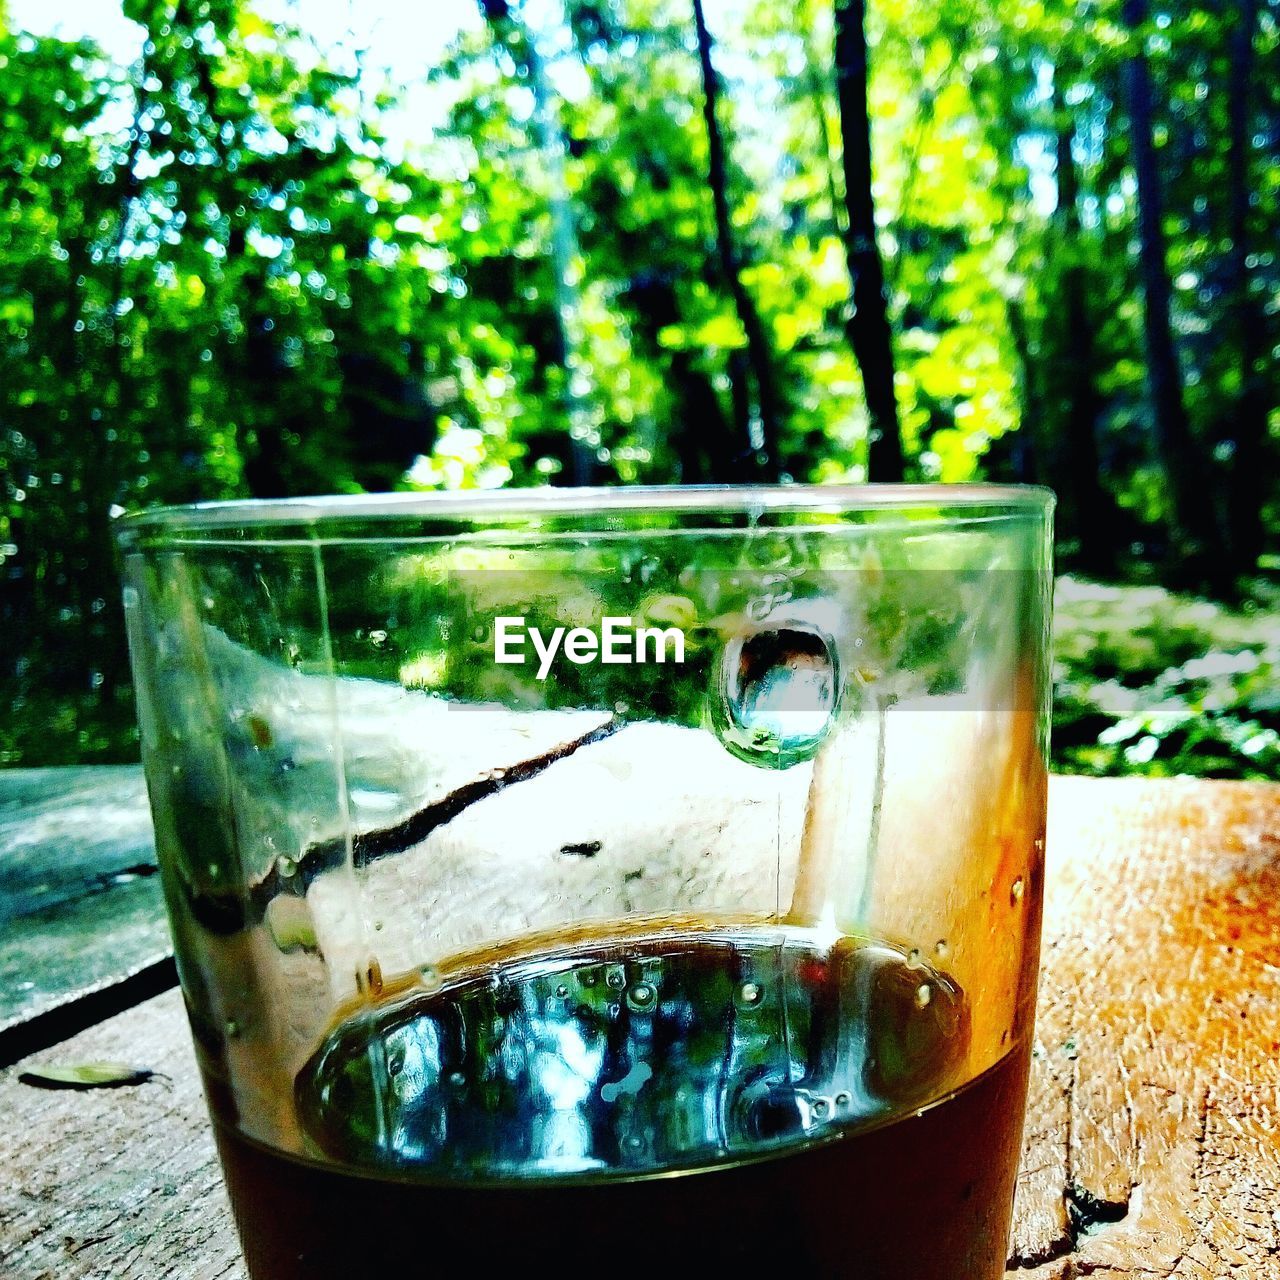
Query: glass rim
[279,513]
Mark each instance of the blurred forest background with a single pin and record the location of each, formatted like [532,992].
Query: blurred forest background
[261,247]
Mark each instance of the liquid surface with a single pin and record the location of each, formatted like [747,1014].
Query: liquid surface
[629,1057]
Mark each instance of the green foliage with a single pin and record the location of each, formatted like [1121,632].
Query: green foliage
[231,269]
[1152,683]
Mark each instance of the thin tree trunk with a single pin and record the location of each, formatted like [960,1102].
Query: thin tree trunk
[1192,524]
[1246,483]
[868,325]
[1092,507]
[520,42]
[816,87]
[1027,462]
[758,356]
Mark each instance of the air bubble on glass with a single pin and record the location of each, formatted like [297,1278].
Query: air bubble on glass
[778,692]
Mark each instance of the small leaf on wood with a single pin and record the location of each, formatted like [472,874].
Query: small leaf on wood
[87,1075]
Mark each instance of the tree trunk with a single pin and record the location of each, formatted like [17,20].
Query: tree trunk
[868,326]
[1092,508]
[519,41]
[1247,426]
[1027,465]
[1196,546]
[759,359]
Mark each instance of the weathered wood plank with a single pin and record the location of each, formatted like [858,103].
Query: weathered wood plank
[118,1184]
[1156,1096]
[80,904]
[1160,1009]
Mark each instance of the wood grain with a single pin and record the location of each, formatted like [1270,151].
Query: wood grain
[1152,1146]
[80,904]
[1151,1151]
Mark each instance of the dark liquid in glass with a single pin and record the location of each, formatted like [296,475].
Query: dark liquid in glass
[651,1105]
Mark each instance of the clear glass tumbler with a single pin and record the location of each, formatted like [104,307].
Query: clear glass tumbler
[610,878]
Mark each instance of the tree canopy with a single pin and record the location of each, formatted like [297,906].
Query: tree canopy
[631,241]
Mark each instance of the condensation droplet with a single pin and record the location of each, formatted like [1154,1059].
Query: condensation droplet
[772,550]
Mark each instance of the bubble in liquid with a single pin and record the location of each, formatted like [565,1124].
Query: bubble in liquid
[750,994]
[820,1108]
[589,977]
[924,993]
[561,991]
[941,949]
[843,1100]
[616,979]
[777,695]
[1015,891]
[430,977]
[286,866]
[913,958]
[640,996]
[232,1028]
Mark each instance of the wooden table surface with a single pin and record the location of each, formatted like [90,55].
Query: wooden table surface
[1153,1136]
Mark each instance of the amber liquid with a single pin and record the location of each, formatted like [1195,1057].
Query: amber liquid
[651,1105]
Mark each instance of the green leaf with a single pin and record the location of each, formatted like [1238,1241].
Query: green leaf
[86,1075]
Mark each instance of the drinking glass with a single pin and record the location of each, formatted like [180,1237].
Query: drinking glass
[622,878]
